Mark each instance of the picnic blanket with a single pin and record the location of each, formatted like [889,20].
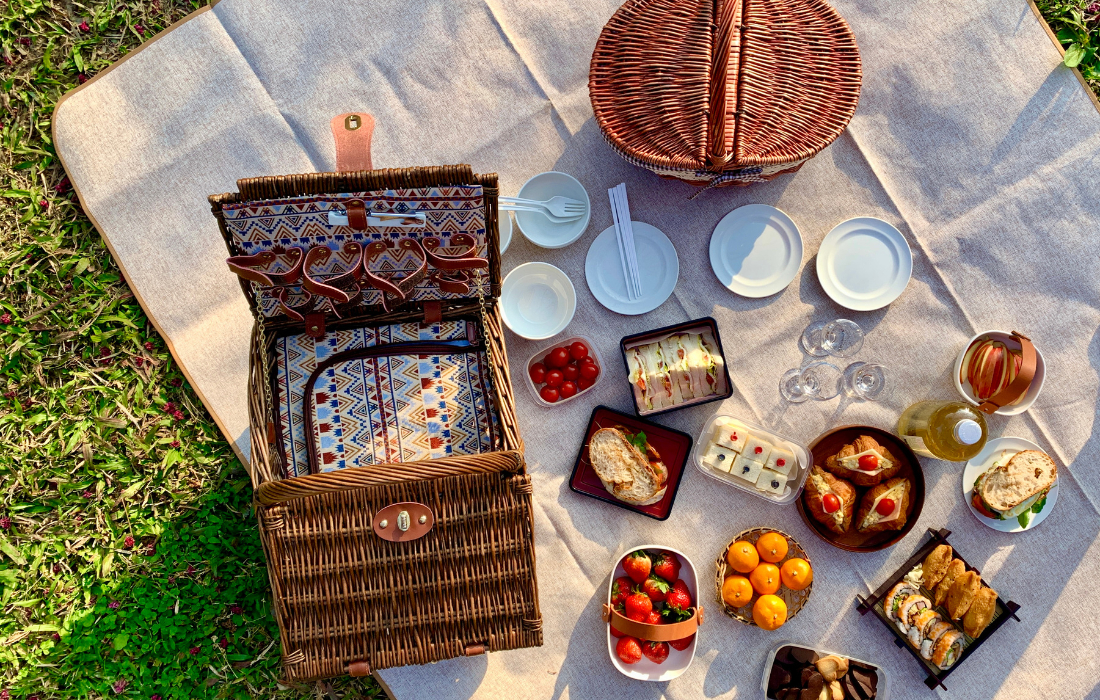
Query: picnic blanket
[969,137]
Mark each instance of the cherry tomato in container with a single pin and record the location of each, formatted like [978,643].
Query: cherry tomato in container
[549,394]
[554,378]
[590,372]
[586,360]
[583,383]
[558,358]
[538,373]
[578,350]
[571,372]
[568,389]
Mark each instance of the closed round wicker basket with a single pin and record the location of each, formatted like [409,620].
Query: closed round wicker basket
[724,92]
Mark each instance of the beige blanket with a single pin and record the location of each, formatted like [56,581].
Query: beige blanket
[969,138]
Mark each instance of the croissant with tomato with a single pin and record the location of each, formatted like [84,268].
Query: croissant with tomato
[831,501]
[864,462]
[884,507]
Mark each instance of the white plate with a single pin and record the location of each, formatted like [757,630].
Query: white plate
[981,463]
[658,266]
[756,250]
[864,264]
[537,300]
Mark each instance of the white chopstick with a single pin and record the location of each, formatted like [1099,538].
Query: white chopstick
[622,247]
[628,239]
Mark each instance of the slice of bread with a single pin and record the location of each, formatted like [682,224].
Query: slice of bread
[625,472]
[1028,473]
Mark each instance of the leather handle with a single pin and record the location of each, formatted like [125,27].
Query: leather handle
[654,633]
[352,132]
[726,36]
[1019,386]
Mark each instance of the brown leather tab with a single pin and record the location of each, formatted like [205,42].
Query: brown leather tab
[475,649]
[358,669]
[654,633]
[403,522]
[270,433]
[1020,384]
[315,326]
[433,312]
[357,214]
[352,132]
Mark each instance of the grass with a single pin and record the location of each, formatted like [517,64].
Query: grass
[130,565]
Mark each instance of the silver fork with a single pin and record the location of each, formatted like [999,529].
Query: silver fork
[561,207]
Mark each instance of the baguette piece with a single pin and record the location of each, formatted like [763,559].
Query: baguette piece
[981,611]
[626,473]
[935,565]
[955,568]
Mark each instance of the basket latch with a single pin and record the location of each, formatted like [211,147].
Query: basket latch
[403,522]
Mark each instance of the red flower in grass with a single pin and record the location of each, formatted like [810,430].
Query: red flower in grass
[57,568]
[9,394]
[63,186]
[139,360]
[176,382]
[174,444]
[5,695]
[190,569]
[114,605]
[169,407]
[223,643]
[25,41]
[236,609]
[151,550]
[154,696]
[87,494]
[128,543]
[194,651]
[56,637]
[5,318]
[148,345]
[139,29]
[5,523]
[84,27]
[119,685]
[178,415]
[81,78]
[104,352]
[44,204]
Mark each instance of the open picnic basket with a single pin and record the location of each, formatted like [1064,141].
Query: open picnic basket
[724,92]
[392,496]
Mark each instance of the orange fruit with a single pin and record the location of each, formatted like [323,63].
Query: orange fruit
[772,547]
[742,557]
[765,578]
[736,591]
[796,574]
[769,612]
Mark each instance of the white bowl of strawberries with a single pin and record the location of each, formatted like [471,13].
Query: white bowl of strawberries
[653,613]
[989,363]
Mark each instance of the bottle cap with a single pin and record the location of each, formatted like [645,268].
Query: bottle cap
[968,431]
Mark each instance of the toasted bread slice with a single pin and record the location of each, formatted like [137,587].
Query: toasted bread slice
[626,473]
[1028,474]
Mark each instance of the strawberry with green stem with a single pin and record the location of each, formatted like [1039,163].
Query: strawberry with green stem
[638,566]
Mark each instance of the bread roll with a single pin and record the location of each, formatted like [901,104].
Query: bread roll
[961,595]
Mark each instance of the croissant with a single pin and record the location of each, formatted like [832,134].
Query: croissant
[853,472]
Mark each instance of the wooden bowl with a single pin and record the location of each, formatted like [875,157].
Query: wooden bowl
[795,600]
[829,444]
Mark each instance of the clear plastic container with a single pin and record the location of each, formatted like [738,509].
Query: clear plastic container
[882,692]
[795,480]
[541,354]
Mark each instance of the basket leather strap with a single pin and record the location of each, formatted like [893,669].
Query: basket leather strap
[244,266]
[402,287]
[1019,386]
[342,288]
[352,132]
[654,633]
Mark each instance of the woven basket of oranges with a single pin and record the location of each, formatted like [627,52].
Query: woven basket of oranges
[763,578]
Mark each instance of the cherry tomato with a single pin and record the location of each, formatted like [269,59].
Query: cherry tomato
[571,372]
[554,378]
[590,372]
[568,389]
[586,360]
[868,463]
[830,503]
[558,357]
[578,350]
[885,506]
[538,373]
[583,383]
[549,394]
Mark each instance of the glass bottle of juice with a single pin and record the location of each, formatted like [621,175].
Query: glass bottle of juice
[950,430]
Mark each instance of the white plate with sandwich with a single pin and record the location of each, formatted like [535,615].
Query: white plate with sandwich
[658,268]
[756,250]
[1011,485]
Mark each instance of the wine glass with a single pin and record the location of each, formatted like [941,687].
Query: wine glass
[864,380]
[842,338]
[818,380]
[813,339]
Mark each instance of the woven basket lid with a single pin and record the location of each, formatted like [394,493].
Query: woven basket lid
[719,85]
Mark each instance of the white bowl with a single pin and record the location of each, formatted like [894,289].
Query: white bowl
[542,231]
[538,357]
[677,661]
[537,300]
[967,392]
[504,224]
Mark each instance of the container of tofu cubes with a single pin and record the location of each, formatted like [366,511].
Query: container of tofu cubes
[752,459]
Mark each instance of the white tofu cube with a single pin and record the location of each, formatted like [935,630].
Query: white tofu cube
[731,435]
[719,458]
[757,449]
[746,469]
[771,482]
[781,460]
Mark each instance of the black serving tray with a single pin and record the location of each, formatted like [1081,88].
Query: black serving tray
[873,603]
[707,323]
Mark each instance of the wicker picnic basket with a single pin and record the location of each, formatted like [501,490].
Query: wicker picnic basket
[400,562]
[724,92]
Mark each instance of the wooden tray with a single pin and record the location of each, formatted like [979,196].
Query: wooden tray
[829,444]
[795,600]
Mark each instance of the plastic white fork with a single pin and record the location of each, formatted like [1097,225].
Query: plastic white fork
[562,207]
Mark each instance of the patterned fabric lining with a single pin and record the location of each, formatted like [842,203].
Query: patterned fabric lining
[397,408]
[277,224]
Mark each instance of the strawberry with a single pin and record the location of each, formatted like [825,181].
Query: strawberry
[654,617]
[677,603]
[615,632]
[681,644]
[620,590]
[656,588]
[629,650]
[656,652]
[637,566]
[667,566]
[638,606]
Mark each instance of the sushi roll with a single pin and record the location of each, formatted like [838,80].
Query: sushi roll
[938,630]
[907,611]
[894,598]
[922,625]
[948,649]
